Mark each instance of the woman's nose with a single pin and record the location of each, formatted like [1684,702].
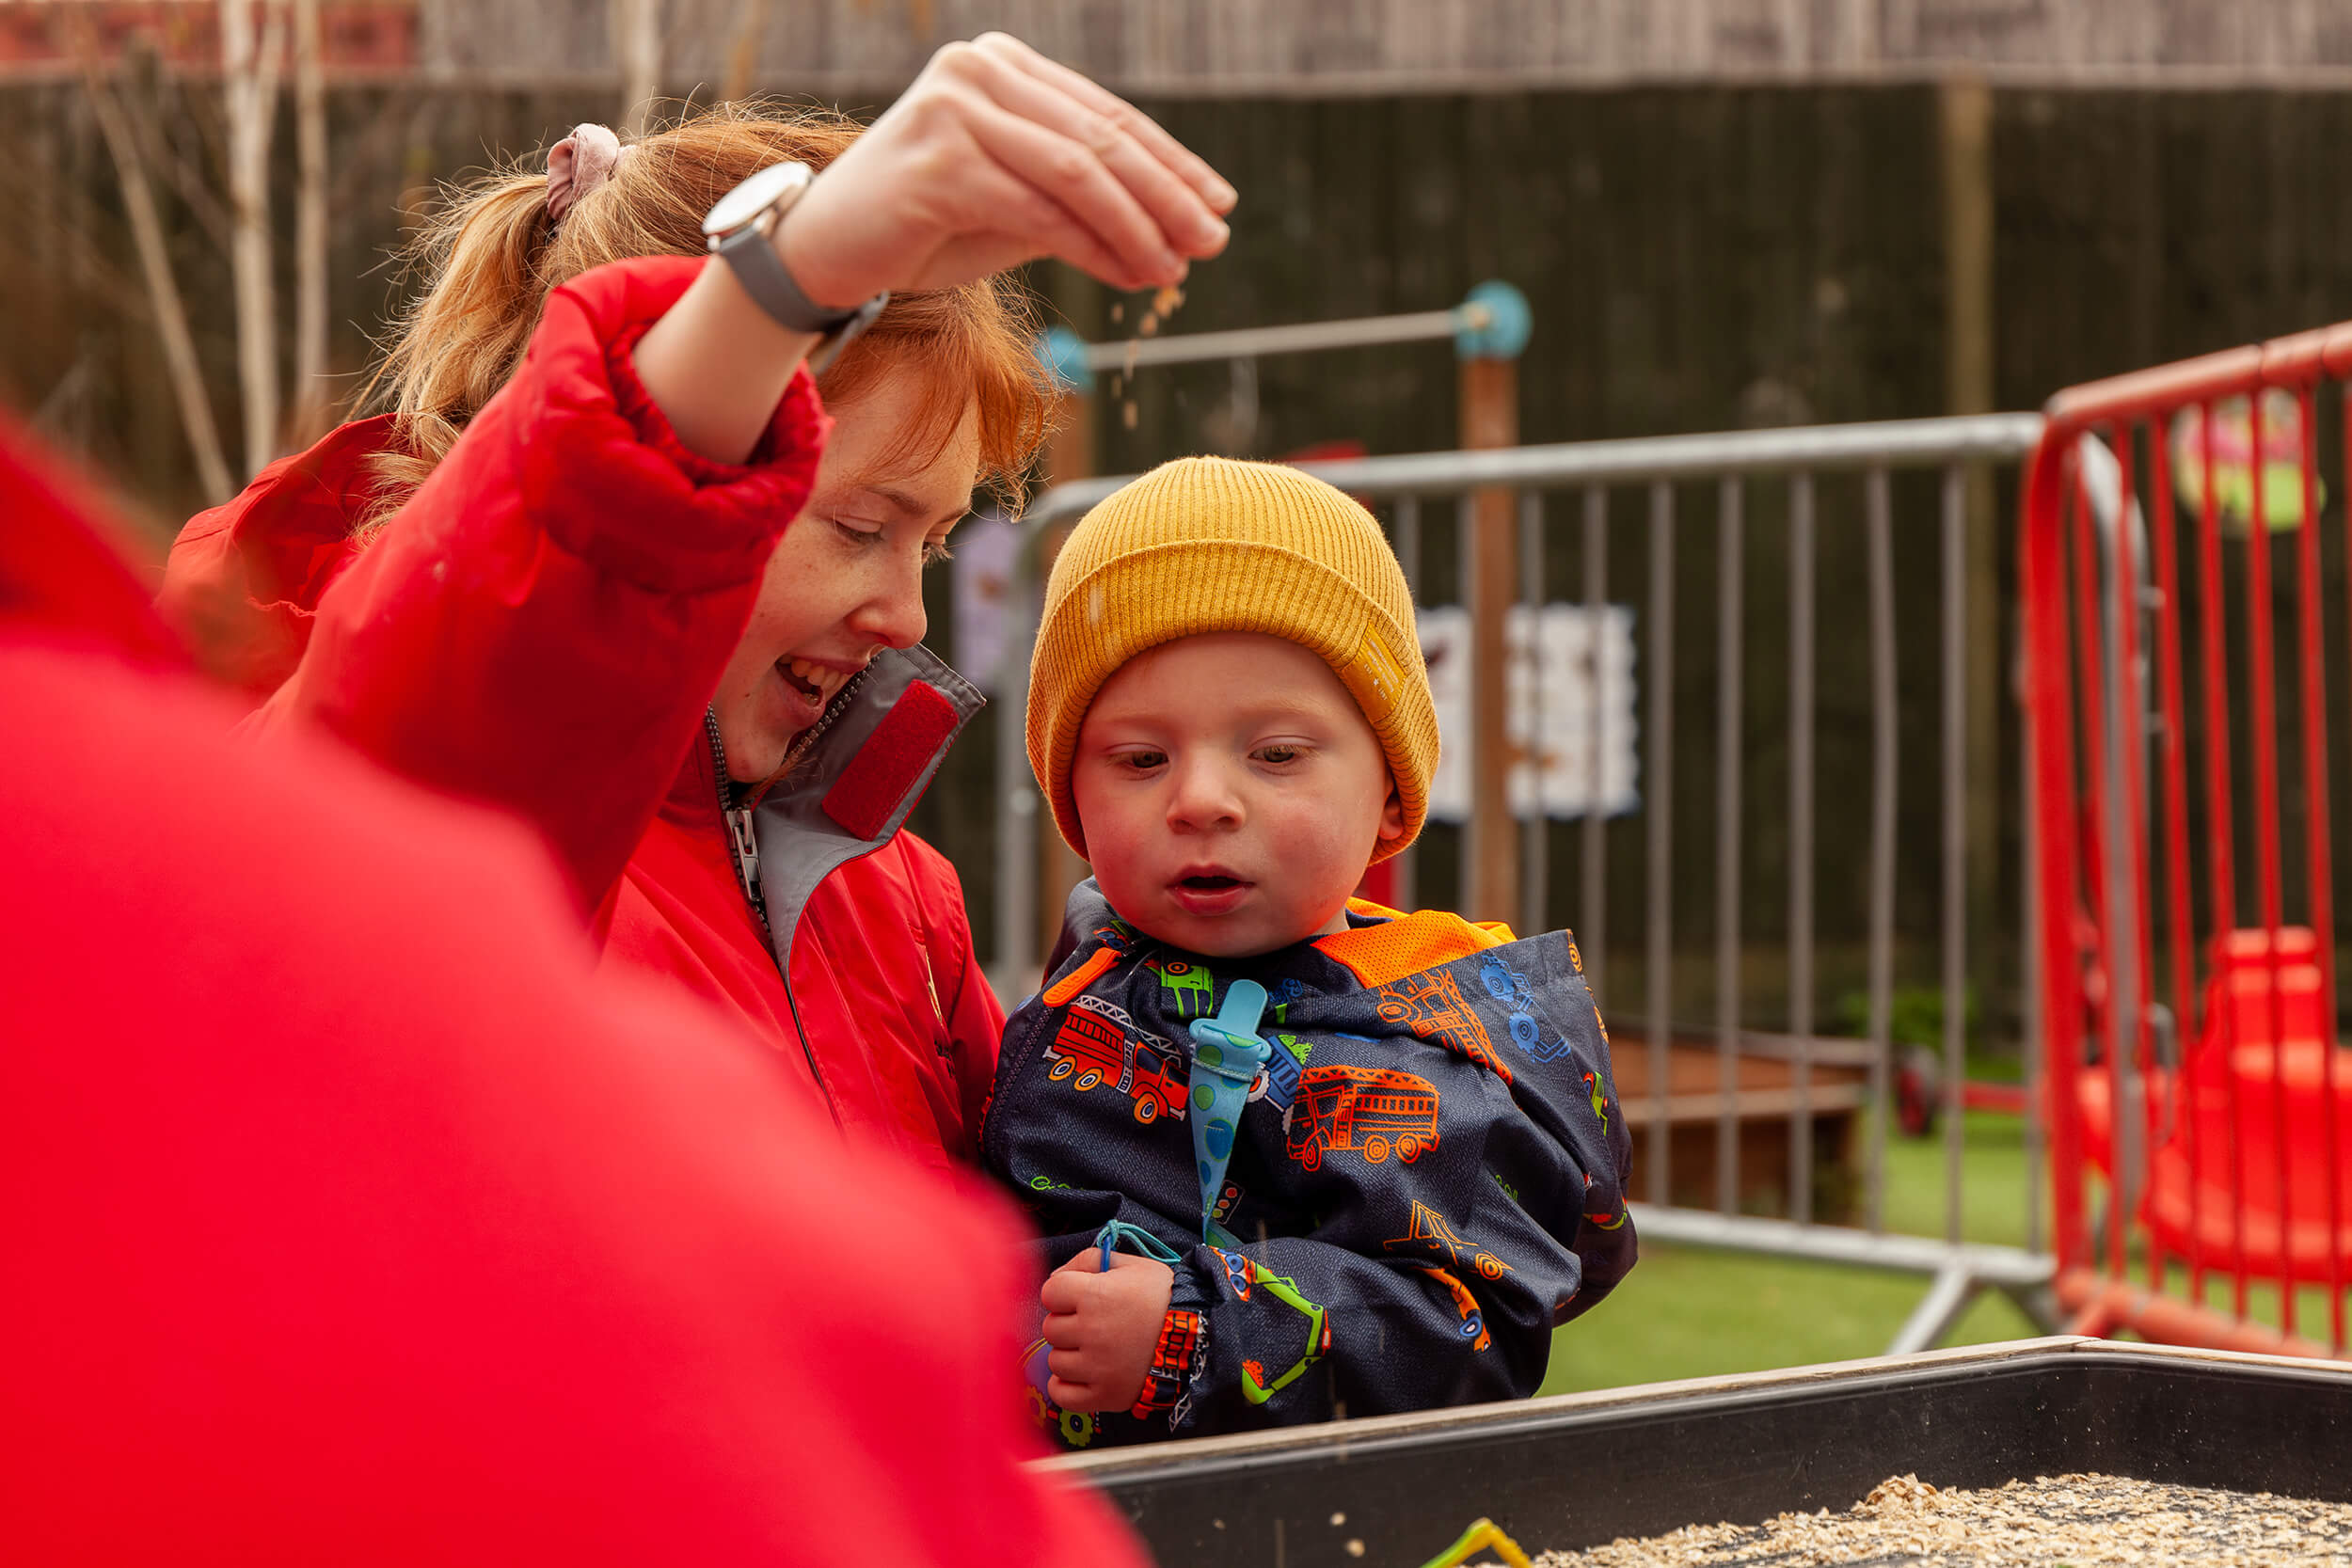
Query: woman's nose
[894,613]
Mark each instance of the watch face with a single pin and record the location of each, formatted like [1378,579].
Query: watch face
[754,196]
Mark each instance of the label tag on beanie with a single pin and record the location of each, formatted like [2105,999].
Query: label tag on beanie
[1373,677]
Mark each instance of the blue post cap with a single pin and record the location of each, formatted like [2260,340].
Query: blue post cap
[1063,356]
[1493,323]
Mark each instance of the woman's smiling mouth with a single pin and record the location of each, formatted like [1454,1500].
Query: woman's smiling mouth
[816,683]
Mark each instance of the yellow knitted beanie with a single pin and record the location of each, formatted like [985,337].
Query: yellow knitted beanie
[1207,545]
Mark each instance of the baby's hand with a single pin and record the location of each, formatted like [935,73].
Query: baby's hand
[1102,1329]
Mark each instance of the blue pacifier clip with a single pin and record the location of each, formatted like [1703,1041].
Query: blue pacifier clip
[1227,1056]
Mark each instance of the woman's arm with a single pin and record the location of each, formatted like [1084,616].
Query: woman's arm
[544,625]
[541,627]
[995,156]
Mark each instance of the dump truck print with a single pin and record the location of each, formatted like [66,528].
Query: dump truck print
[1097,1045]
[1278,1081]
[1373,1112]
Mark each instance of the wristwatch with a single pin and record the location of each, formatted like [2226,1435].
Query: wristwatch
[740,230]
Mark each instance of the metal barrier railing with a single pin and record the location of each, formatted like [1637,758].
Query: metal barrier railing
[1398,487]
[2221,1158]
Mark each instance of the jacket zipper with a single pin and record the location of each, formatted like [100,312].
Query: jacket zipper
[808,736]
[743,850]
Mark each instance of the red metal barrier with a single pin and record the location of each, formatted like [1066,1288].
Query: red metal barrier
[2224,1163]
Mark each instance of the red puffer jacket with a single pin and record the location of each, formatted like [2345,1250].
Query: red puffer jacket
[541,628]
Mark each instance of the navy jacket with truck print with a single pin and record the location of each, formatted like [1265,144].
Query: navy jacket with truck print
[1428,1176]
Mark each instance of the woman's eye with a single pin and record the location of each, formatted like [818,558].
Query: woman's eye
[857,533]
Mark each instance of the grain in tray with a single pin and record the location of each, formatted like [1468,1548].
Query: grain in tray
[2083,1521]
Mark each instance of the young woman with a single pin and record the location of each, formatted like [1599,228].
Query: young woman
[556,575]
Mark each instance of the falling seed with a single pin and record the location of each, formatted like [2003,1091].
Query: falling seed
[1354,1548]
[1119,310]
[1338,1519]
[1127,414]
[1163,303]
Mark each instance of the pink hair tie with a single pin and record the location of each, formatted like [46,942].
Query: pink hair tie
[579,163]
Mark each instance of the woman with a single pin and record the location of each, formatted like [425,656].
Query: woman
[556,576]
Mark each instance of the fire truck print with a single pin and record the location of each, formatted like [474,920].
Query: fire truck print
[1431,1234]
[1431,1006]
[1361,1110]
[1096,1044]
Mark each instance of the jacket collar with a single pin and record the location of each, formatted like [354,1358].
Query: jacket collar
[858,776]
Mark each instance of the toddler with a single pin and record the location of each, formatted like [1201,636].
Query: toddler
[1295,1155]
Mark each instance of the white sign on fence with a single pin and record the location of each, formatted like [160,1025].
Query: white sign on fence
[1564,668]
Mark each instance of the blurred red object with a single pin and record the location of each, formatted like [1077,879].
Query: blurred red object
[352,1219]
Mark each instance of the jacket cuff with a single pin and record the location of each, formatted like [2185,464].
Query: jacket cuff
[1180,1355]
[798,427]
[603,472]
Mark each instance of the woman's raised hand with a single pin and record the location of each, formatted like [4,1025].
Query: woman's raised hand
[995,156]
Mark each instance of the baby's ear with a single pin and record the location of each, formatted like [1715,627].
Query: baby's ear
[1392,816]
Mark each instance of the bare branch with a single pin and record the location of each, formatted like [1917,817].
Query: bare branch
[637,25]
[171,317]
[250,85]
[312,394]
[146,85]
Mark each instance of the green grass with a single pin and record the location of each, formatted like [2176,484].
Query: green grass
[1684,1313]
[1993,1181]
[1688,1313]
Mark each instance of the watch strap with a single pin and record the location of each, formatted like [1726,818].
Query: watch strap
[770,284]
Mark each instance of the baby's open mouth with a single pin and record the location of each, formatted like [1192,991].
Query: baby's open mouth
[1208,893]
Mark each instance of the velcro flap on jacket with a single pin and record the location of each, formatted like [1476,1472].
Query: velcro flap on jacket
[892,762]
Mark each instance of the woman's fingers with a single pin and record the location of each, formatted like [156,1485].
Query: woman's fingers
[1030,225]
[997,156]
[1070,175]
[1116,136]
[1185,163]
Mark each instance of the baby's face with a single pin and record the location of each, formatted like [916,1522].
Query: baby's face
[1232,793]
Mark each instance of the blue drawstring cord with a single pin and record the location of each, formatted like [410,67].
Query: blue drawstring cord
[1116,1231]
